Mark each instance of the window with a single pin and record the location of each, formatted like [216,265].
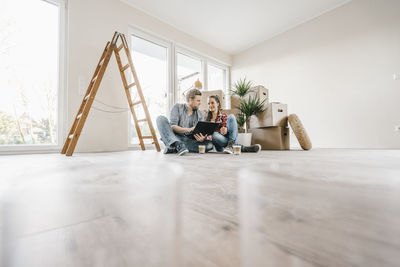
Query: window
[189,69]
[166,72]
[151,64]
[30,67]
[216,78]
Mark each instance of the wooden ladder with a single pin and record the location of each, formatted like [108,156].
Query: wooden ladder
[76,129]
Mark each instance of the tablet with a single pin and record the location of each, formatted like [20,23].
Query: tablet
[205,128]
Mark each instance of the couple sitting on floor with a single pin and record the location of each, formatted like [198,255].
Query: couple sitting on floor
[176,133]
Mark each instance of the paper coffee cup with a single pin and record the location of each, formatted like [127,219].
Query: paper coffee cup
[237,149]
[202,149]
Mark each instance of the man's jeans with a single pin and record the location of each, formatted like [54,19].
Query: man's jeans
[220,141]
[169,137]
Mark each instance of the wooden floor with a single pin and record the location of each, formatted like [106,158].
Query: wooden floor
[275,208]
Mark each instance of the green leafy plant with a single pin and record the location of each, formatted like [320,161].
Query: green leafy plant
[251,106]
[242,87]
[241,120]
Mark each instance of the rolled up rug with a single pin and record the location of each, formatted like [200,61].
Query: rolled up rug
[300,132]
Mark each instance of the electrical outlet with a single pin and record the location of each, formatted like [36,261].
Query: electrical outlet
[396,76]
[397,128]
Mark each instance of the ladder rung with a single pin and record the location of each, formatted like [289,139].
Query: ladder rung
[125,67]
[102,59]
[120,47]
[71,136]
[86,97]
[147,137]
[136,103]
[79,116]
[94,79]
[130,85]
[141,120]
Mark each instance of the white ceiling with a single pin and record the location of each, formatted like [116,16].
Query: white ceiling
[235,25]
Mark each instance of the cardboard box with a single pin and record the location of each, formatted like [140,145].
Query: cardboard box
[257,91]
[206,94]
[235,101]
[276,114]
[271,138]
[261,92]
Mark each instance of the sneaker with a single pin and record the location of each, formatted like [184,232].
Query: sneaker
[254,148]
[169,150]
[181,149]
[229,148]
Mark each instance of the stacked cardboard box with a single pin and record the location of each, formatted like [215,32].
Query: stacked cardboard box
[271,138]
[269,128]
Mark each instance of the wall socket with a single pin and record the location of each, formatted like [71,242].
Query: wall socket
[397,128]
[396,76]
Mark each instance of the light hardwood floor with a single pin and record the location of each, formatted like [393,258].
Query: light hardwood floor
[323,207]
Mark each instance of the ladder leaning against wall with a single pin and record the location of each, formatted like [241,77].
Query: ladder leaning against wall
[79,121]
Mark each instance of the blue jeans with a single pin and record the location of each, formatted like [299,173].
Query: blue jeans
[169,137]
[220,141]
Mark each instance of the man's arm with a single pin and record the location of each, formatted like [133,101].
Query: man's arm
[174,119]
[179,129]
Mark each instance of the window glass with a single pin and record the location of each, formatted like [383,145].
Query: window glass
[216,78]
[151,66]
[188,71]
[29,72]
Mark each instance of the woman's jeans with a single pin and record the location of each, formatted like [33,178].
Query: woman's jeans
[220,141]
[169,137]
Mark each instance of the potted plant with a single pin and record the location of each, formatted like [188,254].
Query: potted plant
[248,106]
[240,89]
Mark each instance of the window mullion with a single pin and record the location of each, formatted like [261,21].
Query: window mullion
[205,75]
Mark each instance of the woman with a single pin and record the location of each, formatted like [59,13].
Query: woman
[226,133]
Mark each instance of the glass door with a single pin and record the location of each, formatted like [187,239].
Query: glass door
[151,64]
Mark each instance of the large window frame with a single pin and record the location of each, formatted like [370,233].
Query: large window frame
[173,49]
[205,61]
[61,93]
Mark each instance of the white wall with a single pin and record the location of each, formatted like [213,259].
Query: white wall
[335,72]
[91,23]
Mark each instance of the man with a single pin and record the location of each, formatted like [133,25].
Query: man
[184,117]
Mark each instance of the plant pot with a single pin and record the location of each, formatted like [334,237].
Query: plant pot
[244,139]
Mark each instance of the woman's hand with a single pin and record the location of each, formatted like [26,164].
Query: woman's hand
[189,130]
[224,130]
[199,137]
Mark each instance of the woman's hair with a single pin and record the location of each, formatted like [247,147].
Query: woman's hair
[209,113]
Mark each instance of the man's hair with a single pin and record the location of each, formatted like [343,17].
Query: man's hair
[192,94]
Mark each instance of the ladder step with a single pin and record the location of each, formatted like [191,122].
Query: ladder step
[71,136]
[86,97]
[94,79]
[125,67]
[141,120]
[147,137]
[120,47]
[136,103]
[79,116]
[130,85]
